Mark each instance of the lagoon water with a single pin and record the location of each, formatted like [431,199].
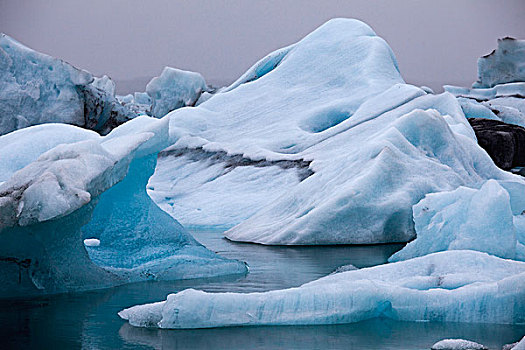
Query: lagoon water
[89,320]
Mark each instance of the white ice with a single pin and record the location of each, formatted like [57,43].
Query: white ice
[457,344]
[466,218]
[173,89]
[366,146]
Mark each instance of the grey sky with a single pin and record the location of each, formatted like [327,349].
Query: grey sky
[435,42]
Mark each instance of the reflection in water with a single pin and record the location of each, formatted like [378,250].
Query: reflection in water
[372,334]
[89,320]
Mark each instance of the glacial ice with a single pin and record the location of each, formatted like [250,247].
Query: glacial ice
[505,102]
[36,89]
[363,147]
[506,64]
[173,89]
[91,189]
[499,92]
[466,218]
[457,344]
[450,286]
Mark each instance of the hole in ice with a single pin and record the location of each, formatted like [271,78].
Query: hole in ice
[325,119]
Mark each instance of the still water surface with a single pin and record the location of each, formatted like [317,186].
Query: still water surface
[89,320]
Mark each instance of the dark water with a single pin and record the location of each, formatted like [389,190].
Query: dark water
[89,320]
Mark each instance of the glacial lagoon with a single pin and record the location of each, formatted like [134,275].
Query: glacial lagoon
[89,320]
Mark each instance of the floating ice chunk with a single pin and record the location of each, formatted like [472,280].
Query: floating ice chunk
[91,242]
[173,89]
[466,218]
[451,286]
[457,344]
[506,64]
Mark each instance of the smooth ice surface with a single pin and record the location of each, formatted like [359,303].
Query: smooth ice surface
[91,189]
[92,242]
[466,218]
[36,89]
[455,286]
[457,344]
[173,89]
[361,147]
[506,64]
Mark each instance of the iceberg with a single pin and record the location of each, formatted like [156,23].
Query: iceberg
[338,145]
[499,92]
[36,89]
[54,207]
[450,286]
[506,64]
[466,218]
[173,89]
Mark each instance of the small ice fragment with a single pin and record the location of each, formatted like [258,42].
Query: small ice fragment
[91,242]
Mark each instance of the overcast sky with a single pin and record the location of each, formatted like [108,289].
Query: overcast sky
[435,42]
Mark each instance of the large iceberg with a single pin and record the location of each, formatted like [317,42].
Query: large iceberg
[90,187]
[451,286]
[36,89]
[349,147]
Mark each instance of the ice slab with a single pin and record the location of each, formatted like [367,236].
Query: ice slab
[451,286]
